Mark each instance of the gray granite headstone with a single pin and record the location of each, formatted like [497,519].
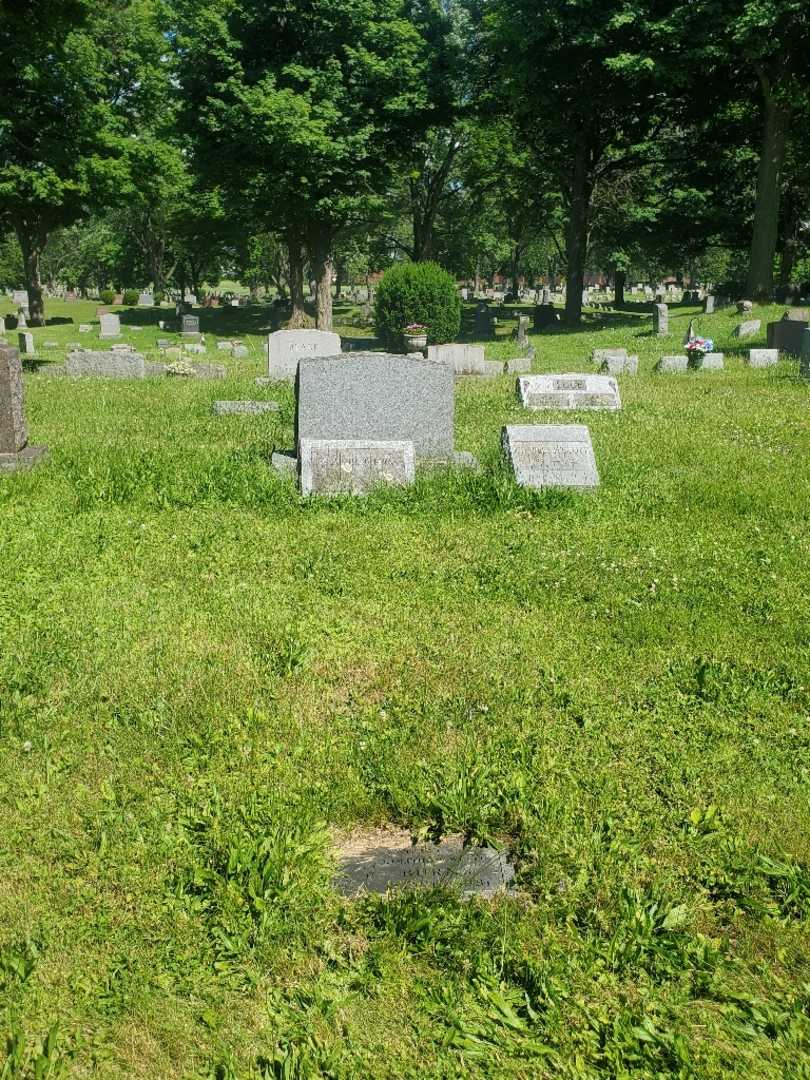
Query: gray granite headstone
[619,365]
[746,329]
[146,299]
[19,298]
[672,365]
[14,450]
[569,391]
[551,455]
[110,326]
[465,359]
[762,358]
[519,365]
[471,871]
[26,344]
[661,319]
[189,324]
[353,466]
[708,305]
[119,364]
[286,347]
[377,396]
[712,361]
[2,325]
[248,408]
[786,335]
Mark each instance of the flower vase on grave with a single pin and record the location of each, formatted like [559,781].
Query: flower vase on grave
[415,338]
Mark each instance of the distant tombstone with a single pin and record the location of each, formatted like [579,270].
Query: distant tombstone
[26,344]
[786,335]
[15,453]
[195,347]
[746,329]
[465,359]
[551,455]
[598,356]
[569,391]
[546,296]
[672,365]
[239,352]
[19,298]
[286,347]
[613,364]
[465,294]
[744,306]
[244,408]
[519,365]
[483,322]
[113,364]
[189,324]
[353,466]
[708,305]
[383,865]
[146,299]
[713,361]
[225,346]
[797,315]
[22,322]
[661,320]
[762,358]
[522,330]
[377,396]
[110,326]
[2,325]
[544,316]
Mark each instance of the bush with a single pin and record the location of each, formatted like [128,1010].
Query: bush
[106,296]
[417,293]
[130,298]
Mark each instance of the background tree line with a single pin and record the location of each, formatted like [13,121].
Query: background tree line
[172,142]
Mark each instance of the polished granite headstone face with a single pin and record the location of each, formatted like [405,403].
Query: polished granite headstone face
[379,397]
[786,335]
[286,347]
[569,391]
[353,466]
[385,864]
[551,455]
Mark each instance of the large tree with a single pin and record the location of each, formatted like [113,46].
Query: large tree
[72,84]
[299,114]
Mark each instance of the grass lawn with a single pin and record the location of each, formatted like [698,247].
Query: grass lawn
[202,675]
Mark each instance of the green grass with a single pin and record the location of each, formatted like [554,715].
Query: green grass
[201,675]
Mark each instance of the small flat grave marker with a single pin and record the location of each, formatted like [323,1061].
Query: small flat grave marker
[353,466]
[385,860]
[118,364]
[569,391]
[712,361]
[672,365]
[762,358]
[244,408]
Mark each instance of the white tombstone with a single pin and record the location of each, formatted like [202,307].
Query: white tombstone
[569,391]
[762,358]
[551,455]
[465,359]
[110,326]
[286,347]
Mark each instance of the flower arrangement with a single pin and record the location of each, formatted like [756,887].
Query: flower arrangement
[414,329]
[699,346]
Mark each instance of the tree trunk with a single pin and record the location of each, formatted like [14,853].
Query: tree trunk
[31,243]
[788,260]
[320,254]
[298,318]
[576,237]
[477,275]
[619,279]
[759,284]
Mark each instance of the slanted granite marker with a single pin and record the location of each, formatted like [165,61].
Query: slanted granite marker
[569,391]
[762,358]
[747,328]
[377,396]
[15,453]
[551,455]
[286,347]
[353,466]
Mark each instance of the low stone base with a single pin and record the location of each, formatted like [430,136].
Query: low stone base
[286,461]
[24,459]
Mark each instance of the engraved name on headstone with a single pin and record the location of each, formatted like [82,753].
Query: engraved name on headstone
[286,347]
[353,466]
[551,455]
[569,391]
[189,324]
